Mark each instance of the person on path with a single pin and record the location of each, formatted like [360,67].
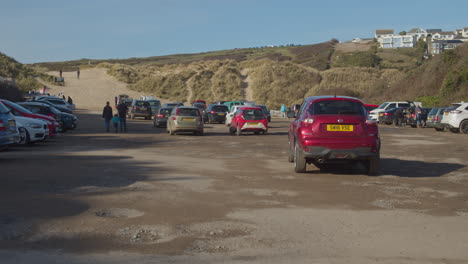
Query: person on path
[60,73]
[70,101]
[107,115]
[122,109]
[78,73]
[418,116]
[399,115]
[115,121]
[283,110]
[63,96]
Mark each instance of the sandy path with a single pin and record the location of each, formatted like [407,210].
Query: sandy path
[93,89]
[247,90]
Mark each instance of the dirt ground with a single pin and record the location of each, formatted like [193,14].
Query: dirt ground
[148,197]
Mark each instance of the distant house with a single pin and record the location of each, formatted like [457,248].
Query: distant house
[444,35]
[397,41]
[439,46]
[418,33]
[383,32]
[464,32]
[433,31]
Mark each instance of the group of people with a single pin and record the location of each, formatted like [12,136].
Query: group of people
[403,114]
[119,118]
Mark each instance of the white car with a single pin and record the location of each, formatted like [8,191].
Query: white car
[31,130]
[231,113]
[374,114]
[456,118]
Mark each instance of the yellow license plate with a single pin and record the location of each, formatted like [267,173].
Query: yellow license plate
[446,113]
[380,114]
[143,109]
[253,124]
[348,128]
[430,118]
[188,119]
[221,114]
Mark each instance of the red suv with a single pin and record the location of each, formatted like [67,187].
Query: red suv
[332,129]
[249,119]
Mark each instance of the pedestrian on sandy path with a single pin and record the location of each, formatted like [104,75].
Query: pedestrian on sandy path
[60,73]
[70,101]
[283,111]
[122,109]
[107,115]
[78,73]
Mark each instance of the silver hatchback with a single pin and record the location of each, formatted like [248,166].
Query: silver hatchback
[185,119]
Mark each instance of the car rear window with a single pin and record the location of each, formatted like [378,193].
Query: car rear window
[141,103]
[155,103]
[253,114]
[220,108]
[382,106]
[337,107]
[188,112]
[433,111]
[165,111]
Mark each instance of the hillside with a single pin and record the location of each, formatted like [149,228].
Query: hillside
[277,75]
[23,76]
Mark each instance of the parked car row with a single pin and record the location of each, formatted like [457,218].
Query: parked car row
[453,118]
[33,121]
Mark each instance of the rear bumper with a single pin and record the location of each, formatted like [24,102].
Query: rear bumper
[217,118]
[329,154]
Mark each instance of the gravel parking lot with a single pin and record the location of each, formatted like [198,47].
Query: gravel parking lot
[148,197]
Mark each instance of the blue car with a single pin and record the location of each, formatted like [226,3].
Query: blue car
[8,131]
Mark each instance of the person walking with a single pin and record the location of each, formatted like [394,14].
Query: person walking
[122,109]
[283,110]
[107,115]
[78,73]
[418,113]
[70,101]
[115,121]
[60,73]
[399,115]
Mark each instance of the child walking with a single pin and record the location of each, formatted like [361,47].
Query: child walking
[115,121]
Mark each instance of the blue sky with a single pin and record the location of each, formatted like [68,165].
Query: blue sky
[50,30]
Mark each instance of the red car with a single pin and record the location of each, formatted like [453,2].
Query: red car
[18,110]
[370,107]
[333,129]
[249,119]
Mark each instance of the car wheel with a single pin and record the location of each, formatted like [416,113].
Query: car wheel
[454,130]
[238,131]
[299,160]
[464,126]
[22,136]
[265,132]
[231,131]
[373,165]
[290,154]
[439,128]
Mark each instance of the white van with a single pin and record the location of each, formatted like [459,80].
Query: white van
[374,114]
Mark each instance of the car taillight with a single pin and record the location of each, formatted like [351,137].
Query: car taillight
[436,118]
[412,115]
[134,108]
[213,112]
[370,122]
[386,114]
[174,118]
[160,116]
[308,121]
[2,126]
[455,112]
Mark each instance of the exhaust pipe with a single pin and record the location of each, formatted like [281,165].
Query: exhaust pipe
[320,161]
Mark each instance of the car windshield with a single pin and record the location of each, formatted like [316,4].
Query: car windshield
[187,112]
[155,103]
[336,107]
[382,106]
[253,114]
[220,108]
[3,109]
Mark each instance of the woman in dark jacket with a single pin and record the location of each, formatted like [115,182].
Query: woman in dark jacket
[107,115]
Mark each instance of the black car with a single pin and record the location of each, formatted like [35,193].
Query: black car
[66,120]
[215,113]
[160,118]
[388,116]
[140,108]
[266,111]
